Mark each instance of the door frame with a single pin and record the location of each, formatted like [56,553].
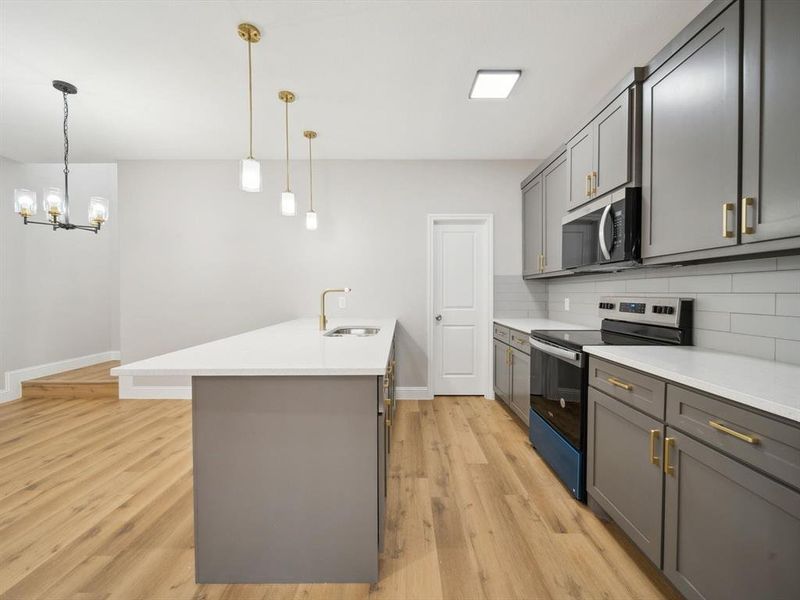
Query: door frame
[487,221]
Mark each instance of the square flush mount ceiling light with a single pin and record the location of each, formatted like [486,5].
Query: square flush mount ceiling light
[494,83]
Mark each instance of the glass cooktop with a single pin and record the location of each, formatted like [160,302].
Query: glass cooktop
[577,339]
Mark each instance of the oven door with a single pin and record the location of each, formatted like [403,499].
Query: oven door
[557,393]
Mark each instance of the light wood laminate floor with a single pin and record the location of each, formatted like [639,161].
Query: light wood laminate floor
[96,503]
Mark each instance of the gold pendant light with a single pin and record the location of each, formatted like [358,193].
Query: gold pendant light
[288,204]
[311,216]
[250,168]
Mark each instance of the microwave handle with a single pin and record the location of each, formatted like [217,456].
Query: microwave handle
[573,357]
[602,233]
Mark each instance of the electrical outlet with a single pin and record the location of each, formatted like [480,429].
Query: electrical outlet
[566,303]
[342,302]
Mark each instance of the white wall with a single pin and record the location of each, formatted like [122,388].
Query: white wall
[200,259]
[60,290]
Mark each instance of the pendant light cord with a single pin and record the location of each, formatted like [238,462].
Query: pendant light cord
[66,160]
[250,90]
[286,102]
[310,176]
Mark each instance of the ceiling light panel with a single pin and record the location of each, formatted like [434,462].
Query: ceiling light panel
[494,84]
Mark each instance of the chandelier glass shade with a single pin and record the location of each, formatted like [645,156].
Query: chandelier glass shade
[55,200]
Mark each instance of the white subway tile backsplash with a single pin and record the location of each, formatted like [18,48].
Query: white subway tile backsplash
[700,283]
[762,304]
[749,345]
[749,307]
[774,281]
[785,328]
[787,351]
[718,321]
[787,304]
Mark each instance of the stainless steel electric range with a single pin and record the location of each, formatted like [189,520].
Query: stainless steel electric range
[559,374]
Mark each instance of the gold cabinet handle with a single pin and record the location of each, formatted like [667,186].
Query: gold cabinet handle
[726,208]
[750,439]
[620,384]
[388,422]
[594,183]
[668,444]
[654,435]
[385,383]
[508,357]
[388,402]
[588,185]
[748,203]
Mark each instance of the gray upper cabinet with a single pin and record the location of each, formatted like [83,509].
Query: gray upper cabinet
[599,157]
[612,146]
[556,200]
[623,472]
[770,125]
[690,159]
[580,162]
[533,229]
[729,531]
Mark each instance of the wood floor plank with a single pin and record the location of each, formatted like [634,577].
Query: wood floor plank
[97,504]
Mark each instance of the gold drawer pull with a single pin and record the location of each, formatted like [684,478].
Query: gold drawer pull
[726,208]
[388,422]
[747,203]
[388,402]
[750,439]
[668,468]
[620,384]
[654,434]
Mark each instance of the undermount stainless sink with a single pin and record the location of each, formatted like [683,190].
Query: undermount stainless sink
[353,331]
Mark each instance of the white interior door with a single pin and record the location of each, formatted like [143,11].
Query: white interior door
[460,283]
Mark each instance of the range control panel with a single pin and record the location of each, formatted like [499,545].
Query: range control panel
[674,312]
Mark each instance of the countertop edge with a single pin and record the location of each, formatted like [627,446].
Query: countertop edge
[730,394]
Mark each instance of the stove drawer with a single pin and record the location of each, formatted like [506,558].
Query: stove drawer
[761,441]
[632,387]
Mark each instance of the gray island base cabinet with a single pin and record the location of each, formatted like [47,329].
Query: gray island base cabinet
[286,478]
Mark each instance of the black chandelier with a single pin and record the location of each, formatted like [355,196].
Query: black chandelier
[56,201]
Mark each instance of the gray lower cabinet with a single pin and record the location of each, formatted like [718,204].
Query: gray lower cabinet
[556,200]
[520,384]
[623,472]
[770,205]
[729,531]
[690,157]
[532,228]
[383,476]
[502,371]
[725,477]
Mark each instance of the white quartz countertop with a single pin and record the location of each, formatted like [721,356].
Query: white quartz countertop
[291,348]
[766,385]
[528,325]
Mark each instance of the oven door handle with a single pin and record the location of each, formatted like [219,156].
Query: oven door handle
[602,233]
[568,355]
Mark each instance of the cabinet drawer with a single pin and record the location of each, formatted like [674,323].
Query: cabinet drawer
[501,332]
[640,391]
[767,444]
[519,341]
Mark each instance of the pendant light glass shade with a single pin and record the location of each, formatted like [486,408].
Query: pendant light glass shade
[250,175]
[311,216]
[249,168]
[25,204]
[288,204]
[311,220]
[53,203]
[98,210]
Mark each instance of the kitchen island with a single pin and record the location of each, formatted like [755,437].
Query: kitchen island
[290,440]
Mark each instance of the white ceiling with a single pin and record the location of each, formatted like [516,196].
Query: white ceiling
[377,79]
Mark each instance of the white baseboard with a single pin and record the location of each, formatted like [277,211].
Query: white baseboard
[413,393]
[13,379]
[129,390]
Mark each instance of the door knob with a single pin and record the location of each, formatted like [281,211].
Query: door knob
[438,317]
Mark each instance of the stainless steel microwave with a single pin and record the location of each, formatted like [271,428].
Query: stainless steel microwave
[606,238]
